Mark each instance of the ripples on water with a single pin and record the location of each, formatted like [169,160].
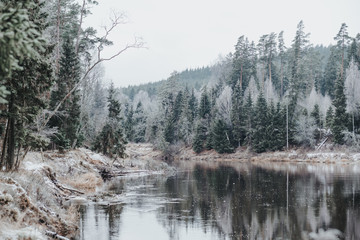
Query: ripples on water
[237,201]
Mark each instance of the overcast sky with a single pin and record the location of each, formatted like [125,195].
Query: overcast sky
[193,33]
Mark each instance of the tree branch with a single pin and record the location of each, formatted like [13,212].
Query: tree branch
[115,21]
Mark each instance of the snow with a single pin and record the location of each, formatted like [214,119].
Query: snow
[23,233]
[32,166]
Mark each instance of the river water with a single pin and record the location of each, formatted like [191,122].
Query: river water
[231,201]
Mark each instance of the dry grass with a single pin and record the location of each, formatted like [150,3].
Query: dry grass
[87,182]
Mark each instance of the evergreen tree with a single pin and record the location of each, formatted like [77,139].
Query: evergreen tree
[260,139]
[243,64]
[281,48]
[68,121]
[140,123]
[330,73]
[249,120]
[221,138]
[25,71]
[340,116]
[111,141]
[200,137]
[329,118]
[192,106]
[205,105]
[129,123]
[315,114]
[237,115]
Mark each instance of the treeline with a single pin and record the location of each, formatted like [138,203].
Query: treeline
[51,93]
[268,96]
[192,78]
[265,95]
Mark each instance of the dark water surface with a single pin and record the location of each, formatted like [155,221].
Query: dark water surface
[233,201]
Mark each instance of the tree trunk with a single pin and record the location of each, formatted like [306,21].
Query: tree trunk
[2,162]
[57,58]
[79,28]
[11,135]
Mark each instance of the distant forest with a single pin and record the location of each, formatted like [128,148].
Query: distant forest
[264,96]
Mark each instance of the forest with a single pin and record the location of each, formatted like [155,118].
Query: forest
[263,96]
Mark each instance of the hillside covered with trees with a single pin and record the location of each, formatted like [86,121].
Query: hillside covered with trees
[264,95]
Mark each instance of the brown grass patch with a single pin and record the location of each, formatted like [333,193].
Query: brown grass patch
[86,182]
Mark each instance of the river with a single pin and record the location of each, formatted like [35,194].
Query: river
[231,201]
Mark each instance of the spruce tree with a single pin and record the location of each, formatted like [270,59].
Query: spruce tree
[129,123]
[315,114]
[340,116]
[26,73]
[260,139]
[140,123]
[200,137]
[222,138]
[249,120]
[329,118]
[68,121]
[111,140]
[237,115]
[205,105]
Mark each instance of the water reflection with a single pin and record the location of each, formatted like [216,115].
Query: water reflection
[234,201]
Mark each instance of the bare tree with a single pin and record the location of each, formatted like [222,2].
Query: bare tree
[352,91]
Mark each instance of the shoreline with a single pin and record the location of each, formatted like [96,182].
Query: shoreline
[41,198]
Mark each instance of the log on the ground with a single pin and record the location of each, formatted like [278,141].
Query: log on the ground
[53,179]
[54,235]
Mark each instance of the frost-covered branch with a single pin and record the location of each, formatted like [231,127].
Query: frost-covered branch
[115,21]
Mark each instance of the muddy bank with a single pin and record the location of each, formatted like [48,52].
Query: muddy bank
[36,202]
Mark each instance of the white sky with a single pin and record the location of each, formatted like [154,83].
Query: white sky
[193,33]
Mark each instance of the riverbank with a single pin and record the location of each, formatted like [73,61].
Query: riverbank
[36,200]
[333,155]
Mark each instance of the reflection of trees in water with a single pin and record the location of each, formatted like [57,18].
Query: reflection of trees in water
[113,212]
[252,204]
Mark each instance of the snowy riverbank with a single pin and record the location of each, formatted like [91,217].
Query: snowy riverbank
[37,199]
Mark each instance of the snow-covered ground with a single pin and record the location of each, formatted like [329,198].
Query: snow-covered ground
[43,194]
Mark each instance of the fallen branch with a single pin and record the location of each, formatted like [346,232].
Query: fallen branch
[53,179]
[321,144]
[54,235]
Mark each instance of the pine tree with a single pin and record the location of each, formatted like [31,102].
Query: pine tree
[237,115]
[68,122]
[26,74]
[221,138]
[200,137]
[192,106]
[281,48]
[129,123]
[342,39]
[329,118]
[140,123]
[249,120]
[205,105]
[315,114]
[340,116]
[243,64]
[332,68]
[111,141]
[260,139]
